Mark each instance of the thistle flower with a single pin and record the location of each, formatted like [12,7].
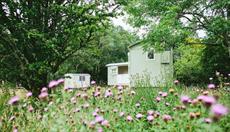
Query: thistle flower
[14,100]
[93,82]
[197,114]
[158,99]
[137,105]
[208,120]
[219,110]
[150,118]
[205,92]
[92,124]
[60,81]
[120,87]
[115,110]
[108,93]
[122,114]
[185,99]
[150,112]
[133,92]
[99,119]
[15,129]
[52,84]
[77,110]
[160,93]
[86,106]
[44,89]
[30,108]
[176,82]
[73,100]
[100,130]
[95,114]
[129,118]
[200,98]
[43,95]
[192,115]
[167,118]
[194,101]
[29,94]
[209,100]
[211,86]
[171,90]
[157,114]
[105,123]
[139,116]
[78,95]
[164,94]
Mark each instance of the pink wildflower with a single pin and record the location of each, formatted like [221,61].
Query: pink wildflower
[99,119]
[105,123]
[209,100]
[150,118]
[13,100]
[53,84]
[139,116]
[211,86]
[129,118]
[150,112]
[43,95]
[60,81]
[158,99]
[176,82]
[44,89]
[122,114]
[120,87]
[29,94]
[219,110]
[185,99]
[93,82]
[164,94]
[167,118]
[30,108]
[208,120]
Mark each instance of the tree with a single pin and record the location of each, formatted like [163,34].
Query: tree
[36,37]
[171,22]
[111,46]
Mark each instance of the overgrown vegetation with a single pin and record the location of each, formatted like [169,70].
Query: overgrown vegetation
[117,109]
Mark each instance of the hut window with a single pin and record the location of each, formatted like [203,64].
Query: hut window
[150,55]
[82,78]
[114,71]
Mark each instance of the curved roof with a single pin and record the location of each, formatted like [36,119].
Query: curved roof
[118,64]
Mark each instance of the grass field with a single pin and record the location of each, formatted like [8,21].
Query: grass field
[121,109]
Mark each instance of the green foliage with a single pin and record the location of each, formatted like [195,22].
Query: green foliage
[188,67]
[215,59]
[36,37]
[110,47]
[170,23]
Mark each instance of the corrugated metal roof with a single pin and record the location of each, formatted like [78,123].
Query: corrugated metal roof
[118,64]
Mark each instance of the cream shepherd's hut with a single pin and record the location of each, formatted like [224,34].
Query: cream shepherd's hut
[144,66]
[73,80]
[118,73]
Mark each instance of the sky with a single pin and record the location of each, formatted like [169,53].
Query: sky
[122,21]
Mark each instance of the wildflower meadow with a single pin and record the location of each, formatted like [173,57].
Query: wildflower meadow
[117,108]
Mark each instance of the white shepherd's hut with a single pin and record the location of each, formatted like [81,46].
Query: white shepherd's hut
[118,73]
[73,80]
